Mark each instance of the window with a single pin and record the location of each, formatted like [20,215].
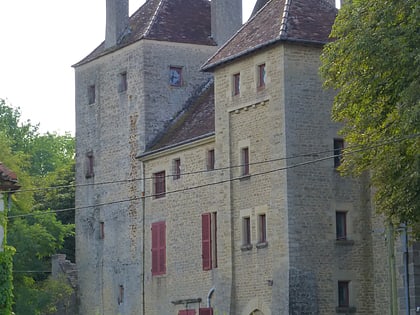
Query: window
[176,165]
[209,240]
[186,312]
[205,311]
[210,159]
[262,228]
[89,165]
[338,151]
[341,225]
[343,294]
[245,161]
[236,84]
[246,231]
[159,185]
[122,84]
[121,294]
[261,77]
[158,248]
[101,230]
[91,94]
[175,76]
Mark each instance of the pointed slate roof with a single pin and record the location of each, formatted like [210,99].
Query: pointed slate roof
[308,21]
[181,21]
[195,122]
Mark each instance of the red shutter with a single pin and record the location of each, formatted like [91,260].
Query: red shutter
[206,240]
[186,312]
[205,311]
[158,248]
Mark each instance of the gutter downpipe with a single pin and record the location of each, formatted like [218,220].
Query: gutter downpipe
[143,202]
[209,296]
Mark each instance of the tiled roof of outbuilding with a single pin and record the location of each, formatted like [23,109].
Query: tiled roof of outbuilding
[194,122]
[181,21]
[279,20]
[8,179]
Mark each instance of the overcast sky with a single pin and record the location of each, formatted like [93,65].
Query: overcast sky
[40,40]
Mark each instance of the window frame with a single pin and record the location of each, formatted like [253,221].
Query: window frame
[246,231]
[91,94]
[176,168]
[261,76]
[159,184]
[122,82]
[262,228]
[338,147]
[245,161]
[211,160]
[343,293]
[341,225]
[89,165]
[179,71]
[236,81]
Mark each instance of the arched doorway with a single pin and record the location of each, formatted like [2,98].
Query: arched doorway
[256,312]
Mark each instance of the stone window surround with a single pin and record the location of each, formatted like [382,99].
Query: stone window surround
[254,215]
[244,144]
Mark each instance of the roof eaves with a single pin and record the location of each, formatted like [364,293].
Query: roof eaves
[241,54]
[172,146]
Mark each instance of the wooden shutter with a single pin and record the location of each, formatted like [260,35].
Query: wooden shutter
[158,248]
[206,240]
[205,311]
[186,312]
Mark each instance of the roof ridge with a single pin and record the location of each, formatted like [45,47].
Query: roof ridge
[285,17]
[153,19]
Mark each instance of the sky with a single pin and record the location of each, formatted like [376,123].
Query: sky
[39,42]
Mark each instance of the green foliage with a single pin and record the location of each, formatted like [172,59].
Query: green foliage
[374,64]
[41,161]
[6,280]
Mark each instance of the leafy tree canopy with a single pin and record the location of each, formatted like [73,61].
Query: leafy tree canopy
[374,64]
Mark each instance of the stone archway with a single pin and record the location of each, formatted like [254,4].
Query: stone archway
[256,312]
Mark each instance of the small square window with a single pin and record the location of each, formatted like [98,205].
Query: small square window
[236,84]
[245,161]
[341,225]
[122,84]
[210,159]
[246,231]
[261,77]
[343,294]
[159,184]
[175,76]
[338,151]
[262,228]
[176,164]
[91,94]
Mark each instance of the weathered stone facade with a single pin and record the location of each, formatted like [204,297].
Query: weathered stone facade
[271,197]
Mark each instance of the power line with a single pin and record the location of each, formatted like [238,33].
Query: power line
[356,148]
[221,181]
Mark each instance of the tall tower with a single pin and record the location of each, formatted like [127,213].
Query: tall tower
[226,19]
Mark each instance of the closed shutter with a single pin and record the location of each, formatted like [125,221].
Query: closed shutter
[186,312]
[206,240]
[158,248]
[205,311]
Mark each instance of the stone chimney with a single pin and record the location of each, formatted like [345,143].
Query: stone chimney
[116,21]
[226,19]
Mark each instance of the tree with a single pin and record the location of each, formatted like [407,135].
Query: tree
[40,161]
[374,64]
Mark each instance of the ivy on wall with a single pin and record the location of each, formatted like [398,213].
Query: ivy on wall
[6,284]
